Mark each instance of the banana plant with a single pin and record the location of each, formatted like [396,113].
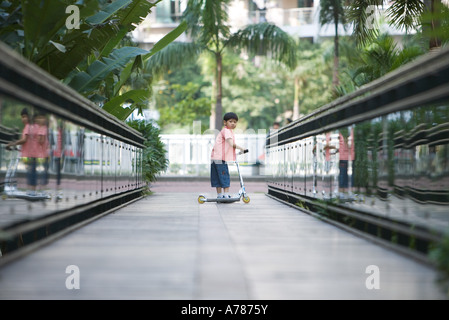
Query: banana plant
[87,58]
[136,98]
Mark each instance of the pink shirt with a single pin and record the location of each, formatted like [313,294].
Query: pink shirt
[344,148]
[42,147]
[222,150]
[26,148]
[58,148]
[328,150]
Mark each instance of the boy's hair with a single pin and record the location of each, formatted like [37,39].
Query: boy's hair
[24,112]
[230,115]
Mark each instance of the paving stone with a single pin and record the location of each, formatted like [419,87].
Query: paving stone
[169,247]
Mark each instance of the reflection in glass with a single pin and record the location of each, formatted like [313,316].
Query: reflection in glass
[48,163]
[397,164]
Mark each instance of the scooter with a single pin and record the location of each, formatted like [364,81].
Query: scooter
[236,197]
[10,189]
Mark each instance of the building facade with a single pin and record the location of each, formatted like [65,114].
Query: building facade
[297,17]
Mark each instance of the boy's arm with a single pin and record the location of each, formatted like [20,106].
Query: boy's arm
[16,143]
[233,145]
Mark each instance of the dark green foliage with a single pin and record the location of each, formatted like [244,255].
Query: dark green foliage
[439,255]
[155,158]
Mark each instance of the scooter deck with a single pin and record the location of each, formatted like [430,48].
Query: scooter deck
[222,200]
[29,197]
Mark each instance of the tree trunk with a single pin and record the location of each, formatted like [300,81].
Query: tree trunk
[218,103]
[432,7]
[296,100]
[335,79]
[212,107]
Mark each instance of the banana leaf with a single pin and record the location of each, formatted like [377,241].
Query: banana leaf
[162,43]
[41,21]
[108,12]
[135,97]
[85,82]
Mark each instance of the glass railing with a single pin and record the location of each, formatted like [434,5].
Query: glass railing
[58,152]
[189,154]
[379,153]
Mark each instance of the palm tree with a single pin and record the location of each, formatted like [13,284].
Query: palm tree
[208,26]
[403,14]
[331,11]
[375,59]
[312,71]
[381,57]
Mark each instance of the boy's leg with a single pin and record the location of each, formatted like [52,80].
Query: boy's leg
[225,179]
[215,179]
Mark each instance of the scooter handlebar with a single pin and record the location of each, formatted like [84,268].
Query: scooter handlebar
[242,152]
[11,148]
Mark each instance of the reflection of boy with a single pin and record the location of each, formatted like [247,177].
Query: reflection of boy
[346,152]
[327,148]
[57,154]
[42,146]
[27,152]
[223,152]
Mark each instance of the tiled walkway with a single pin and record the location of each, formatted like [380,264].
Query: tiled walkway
[168,246]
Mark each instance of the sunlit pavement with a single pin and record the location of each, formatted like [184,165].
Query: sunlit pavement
[168,246]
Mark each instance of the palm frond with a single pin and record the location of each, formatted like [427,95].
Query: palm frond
[265,39]
[170,57]
[407,55]
[207,20]
[331,11]
[405,13]
[360,13]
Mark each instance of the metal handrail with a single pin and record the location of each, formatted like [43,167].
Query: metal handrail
[26,82]
[426,74]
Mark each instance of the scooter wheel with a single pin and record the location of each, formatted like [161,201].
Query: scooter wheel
[201,199]
[246,199]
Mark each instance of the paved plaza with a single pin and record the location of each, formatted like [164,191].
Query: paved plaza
[167,246]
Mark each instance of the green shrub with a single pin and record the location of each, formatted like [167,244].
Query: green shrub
[439,254]
[155,158]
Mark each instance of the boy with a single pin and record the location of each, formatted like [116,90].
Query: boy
[28,150]
[222,152]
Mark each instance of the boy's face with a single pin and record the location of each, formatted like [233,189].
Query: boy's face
[230,124]
[24,118]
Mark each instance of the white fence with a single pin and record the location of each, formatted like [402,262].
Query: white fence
[190,154]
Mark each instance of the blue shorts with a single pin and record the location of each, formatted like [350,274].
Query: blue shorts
[343,177]
[219,174]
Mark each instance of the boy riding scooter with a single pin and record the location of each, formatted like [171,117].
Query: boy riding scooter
[222,153]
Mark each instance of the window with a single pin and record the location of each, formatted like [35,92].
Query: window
[169,11]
